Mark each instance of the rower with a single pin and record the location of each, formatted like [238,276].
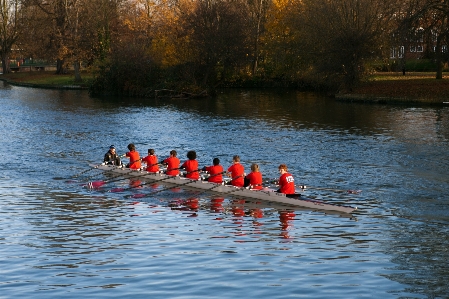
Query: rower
[172,164]
[215,172]
[237,172]
[151,161]
[254,178]
[191,166]
[286,181]
[134,157]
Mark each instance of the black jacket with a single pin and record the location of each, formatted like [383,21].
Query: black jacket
[111,158]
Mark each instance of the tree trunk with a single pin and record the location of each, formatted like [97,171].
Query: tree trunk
[256,42]
[5,64]
[77,67]
[60,66]
[439,60]
[439,74]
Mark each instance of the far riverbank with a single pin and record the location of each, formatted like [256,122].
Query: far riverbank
[392,87]
[398,88]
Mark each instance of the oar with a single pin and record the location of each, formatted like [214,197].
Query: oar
[215,184]
[304,187]
[83,172]
[189,182]
[98,184]
[140,185]
[153,164]
[237,188]
[177,168]
[164,189]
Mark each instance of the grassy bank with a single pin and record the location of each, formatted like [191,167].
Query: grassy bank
[395,87]
[47,79]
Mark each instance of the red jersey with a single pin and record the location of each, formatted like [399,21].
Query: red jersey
[151,161]
[255,179]
[134,160]
[215,173]
[191,166]
[287,184]
[237,170]
[172,165]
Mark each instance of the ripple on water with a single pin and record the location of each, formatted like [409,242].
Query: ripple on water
[60,239]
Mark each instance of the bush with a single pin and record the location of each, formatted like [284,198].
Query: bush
[420,65]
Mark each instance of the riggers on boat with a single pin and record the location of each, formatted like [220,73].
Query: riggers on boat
[264,194]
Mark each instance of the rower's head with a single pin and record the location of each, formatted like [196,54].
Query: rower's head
[131,147]
[216,161]
[112,149]
[173,153]
[236,159]
[283,168]
[150,151]
[191,155]
[255,167]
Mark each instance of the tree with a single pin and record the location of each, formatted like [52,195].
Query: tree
[258,10]
[344,34]
[10,29]
[432,18]
[283,46]
[217,33]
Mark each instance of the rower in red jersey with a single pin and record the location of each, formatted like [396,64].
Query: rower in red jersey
[254,179]
[191,166]
[237,172]
[172,163]
[134,157]
[286,181]
[151,161]
[215,171]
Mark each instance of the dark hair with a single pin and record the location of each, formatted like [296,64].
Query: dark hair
[216,161]
[151,151]
[191,155]
[131,147]
[173,153]
[236,158]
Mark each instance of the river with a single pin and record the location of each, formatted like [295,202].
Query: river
[61,239]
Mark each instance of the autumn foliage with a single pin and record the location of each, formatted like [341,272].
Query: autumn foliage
[134,47]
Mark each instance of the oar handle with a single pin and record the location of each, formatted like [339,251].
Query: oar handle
[239,176]
[193,171]
[217,174]
[154,164]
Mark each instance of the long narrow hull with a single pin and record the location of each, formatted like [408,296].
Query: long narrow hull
[267,195]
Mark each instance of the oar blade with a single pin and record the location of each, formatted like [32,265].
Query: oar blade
[95,184]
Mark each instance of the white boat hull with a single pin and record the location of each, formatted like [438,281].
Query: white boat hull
[265,194]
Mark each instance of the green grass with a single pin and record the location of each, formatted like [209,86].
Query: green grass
[47,78]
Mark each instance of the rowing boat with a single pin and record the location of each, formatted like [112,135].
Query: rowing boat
[265,194]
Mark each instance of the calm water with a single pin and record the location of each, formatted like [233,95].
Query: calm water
[59,239]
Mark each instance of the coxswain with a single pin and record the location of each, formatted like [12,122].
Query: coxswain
[254,178]
[237,172]
[151,161]
[134,157]
[191,166]
[215,171]
[172,163]
[111,157]
[286,181]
